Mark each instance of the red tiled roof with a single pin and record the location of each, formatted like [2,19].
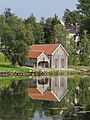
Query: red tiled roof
[34,93]
[34,54]
[48,48]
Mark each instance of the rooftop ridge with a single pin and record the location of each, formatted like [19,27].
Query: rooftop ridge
[37,50]
[44,44]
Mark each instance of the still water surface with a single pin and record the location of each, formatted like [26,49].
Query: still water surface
[46,98]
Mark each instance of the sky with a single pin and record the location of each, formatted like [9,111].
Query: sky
[40,8]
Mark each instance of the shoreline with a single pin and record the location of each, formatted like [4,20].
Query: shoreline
[41,72]
[8,71]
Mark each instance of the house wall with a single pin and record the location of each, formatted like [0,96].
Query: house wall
[59,59]
[31,62]
[71,35]
[50,61]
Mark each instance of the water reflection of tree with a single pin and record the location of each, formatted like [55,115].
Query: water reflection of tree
[78,90]
[84,91]
[54,109]
[14,101]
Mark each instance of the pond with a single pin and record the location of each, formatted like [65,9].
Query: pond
[46,98]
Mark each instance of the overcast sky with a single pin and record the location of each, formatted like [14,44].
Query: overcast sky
[40,8]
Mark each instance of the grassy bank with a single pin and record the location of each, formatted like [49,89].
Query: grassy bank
[72,70]
[9,68]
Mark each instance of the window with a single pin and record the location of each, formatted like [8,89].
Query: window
[62,63]
[55,63]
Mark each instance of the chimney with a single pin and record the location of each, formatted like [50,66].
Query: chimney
[76,27]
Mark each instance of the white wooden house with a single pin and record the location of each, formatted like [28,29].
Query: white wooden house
[47,55]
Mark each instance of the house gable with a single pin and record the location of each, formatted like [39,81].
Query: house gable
[64,50]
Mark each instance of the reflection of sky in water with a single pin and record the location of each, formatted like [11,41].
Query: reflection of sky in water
[43,117]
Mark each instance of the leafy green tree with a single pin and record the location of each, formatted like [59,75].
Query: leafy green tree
[85,49]
[31,20]
[37,29]
[55,20]
[16,38]
[71,17]
[59,34]
[72,48]
[39,34]
[49,28]
[30,39]
[85,25]
[42,21]
[84,9]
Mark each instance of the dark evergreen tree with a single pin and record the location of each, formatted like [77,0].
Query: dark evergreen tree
[71,17]
[84,9]
[49,28]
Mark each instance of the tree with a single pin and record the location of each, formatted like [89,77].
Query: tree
[71,49]
[47,30]
[84,9]
[82,17]
[30,20]
[71,17]
[39,34]
[85,49]
[37,29]
[7,13]
[15,39]
[59,34]
[42,21]
[49,27]
[30,39]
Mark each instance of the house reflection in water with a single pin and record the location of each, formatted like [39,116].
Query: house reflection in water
[51,89]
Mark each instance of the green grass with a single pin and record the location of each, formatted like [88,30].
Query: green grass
[9,68]
[3,60]
[80,68]
[6,66]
